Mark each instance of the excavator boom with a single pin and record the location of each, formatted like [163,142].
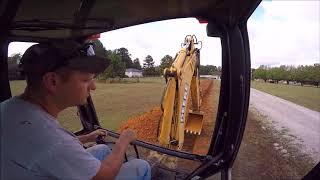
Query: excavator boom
[181,101]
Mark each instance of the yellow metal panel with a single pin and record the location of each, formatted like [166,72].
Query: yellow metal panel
[168,105]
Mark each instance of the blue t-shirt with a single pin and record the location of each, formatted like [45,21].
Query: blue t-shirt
[35,146]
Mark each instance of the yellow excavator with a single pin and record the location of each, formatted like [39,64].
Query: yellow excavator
[181,100]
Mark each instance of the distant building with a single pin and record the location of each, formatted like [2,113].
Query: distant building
[132,72]
[211,77]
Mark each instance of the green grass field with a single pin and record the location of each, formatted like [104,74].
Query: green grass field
[117,102]
[308,97]
[114,103]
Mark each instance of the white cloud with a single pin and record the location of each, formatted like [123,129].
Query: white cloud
[287,33]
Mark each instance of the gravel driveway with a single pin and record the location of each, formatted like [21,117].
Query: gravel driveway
[300,122]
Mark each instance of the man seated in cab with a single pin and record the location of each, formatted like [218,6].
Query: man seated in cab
[34,145]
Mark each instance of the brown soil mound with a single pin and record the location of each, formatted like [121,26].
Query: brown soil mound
[146,125]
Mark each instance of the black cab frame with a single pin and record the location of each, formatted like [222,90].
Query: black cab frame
[40,21]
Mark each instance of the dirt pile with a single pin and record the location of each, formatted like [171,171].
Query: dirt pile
[146,125]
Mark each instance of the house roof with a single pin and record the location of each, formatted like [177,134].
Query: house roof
[133,70]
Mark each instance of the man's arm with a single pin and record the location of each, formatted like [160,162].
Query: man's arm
[111,165]
[91,137]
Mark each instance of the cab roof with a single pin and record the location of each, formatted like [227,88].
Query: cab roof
[34,20]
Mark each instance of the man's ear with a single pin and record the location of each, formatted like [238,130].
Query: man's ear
[50,81]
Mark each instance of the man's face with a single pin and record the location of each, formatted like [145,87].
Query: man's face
[74,89]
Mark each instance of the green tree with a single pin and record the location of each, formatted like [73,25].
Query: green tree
[307,74]
[14,58]
[261,73]
[219,68]
[275,74]
[212,69]
[136,64]
[99,49]
[316,73]
[216,71]
[116,68]
[289,73]
[202,70]
[208,70]
[309,78]
[157,71]
[165,62]
[283,73]
[148,66]
[301,75]
[125,57]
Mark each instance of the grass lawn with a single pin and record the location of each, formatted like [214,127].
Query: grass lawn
[17,87]
[114,102]
[306,96]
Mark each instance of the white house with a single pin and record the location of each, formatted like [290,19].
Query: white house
[132,72]
[211,77]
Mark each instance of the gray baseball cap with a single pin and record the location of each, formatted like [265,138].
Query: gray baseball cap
[50,56]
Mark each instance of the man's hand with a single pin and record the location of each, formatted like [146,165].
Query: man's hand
[94,134]
[111,165]
[91,137]
[127,136]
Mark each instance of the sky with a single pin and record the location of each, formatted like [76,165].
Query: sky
[280,33]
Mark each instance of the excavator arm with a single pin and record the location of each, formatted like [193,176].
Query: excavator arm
[181,101]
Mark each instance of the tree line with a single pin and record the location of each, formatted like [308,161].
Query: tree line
[120,60]
[308,74]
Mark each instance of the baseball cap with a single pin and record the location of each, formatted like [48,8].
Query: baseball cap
[50,56]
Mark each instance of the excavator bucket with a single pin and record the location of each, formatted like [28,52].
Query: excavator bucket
[194,123]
